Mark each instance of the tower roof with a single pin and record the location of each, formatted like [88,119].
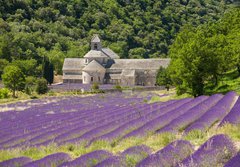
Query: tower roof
[73,64]
[95,53]
[95,38]
[110,53]
[94,66]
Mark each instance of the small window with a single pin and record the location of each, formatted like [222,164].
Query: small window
[84,78]
[95,46]
[91,79]
[99,79]
[86,61]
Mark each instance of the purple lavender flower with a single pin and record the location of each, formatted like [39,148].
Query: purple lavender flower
[214,114]
[169,155]
[233,117]
[136,150]
[115,161]
[155,110]
[161,120]
[214,152]
[88,160]
[234,162]
[50,160]
[16,162]
[187,118]
[57,122]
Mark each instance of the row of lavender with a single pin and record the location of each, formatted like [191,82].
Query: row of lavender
[75,131]
[52,119]
[111,118]
[204,111]
[219,150]
[77,86]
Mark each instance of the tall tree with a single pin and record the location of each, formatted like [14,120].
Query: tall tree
[48,71]
[13,78]
[51,73]
[201,55]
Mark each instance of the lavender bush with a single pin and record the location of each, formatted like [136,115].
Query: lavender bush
[155,110]
[214,152]
[16,162]
[89,159]
[115,161]
[169,155]
[182,121]
[50,160]
[135,154]
[233,117]
[234,162]
[164,119]
[47,122]
[154,124]
[214,114]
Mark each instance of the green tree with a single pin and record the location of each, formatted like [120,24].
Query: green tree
[30,84]
[41,86]
[95,86]
[3,64]
[196,59]
[48,71]
[28,67]
[200,56]
[13,78]
[51,74]
[163,78]
[4,93]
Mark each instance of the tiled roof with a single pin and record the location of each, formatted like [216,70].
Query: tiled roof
[95,53]
[94,66]
[73,64]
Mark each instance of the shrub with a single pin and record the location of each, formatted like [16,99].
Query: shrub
[4,93]
[41,87]
[118,87]
[3,64]
[95,86]
[30,85]
[13,79]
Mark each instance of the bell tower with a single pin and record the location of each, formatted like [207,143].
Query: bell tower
[96,43]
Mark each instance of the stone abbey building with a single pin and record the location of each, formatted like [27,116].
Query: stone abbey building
[103,66]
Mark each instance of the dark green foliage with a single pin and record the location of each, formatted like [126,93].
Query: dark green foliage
[118,87]
[13,78]
[95,86]
[30,84]
[134,29]
[200,56]
[236,3]
[163,78]
[28,67]
[51,73]
[48,72]
[41,86]
[4,93]
[3,64]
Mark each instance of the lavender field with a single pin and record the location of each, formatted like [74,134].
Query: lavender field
[120,130]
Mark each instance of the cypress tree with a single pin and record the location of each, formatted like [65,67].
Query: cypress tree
[48,70]
[51,73]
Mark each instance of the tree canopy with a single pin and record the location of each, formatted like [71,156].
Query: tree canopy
[201,55]
[13,78]
[57,29]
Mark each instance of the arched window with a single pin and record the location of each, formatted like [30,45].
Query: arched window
[95,46]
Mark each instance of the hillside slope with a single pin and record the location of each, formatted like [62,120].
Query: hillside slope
[133,28]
